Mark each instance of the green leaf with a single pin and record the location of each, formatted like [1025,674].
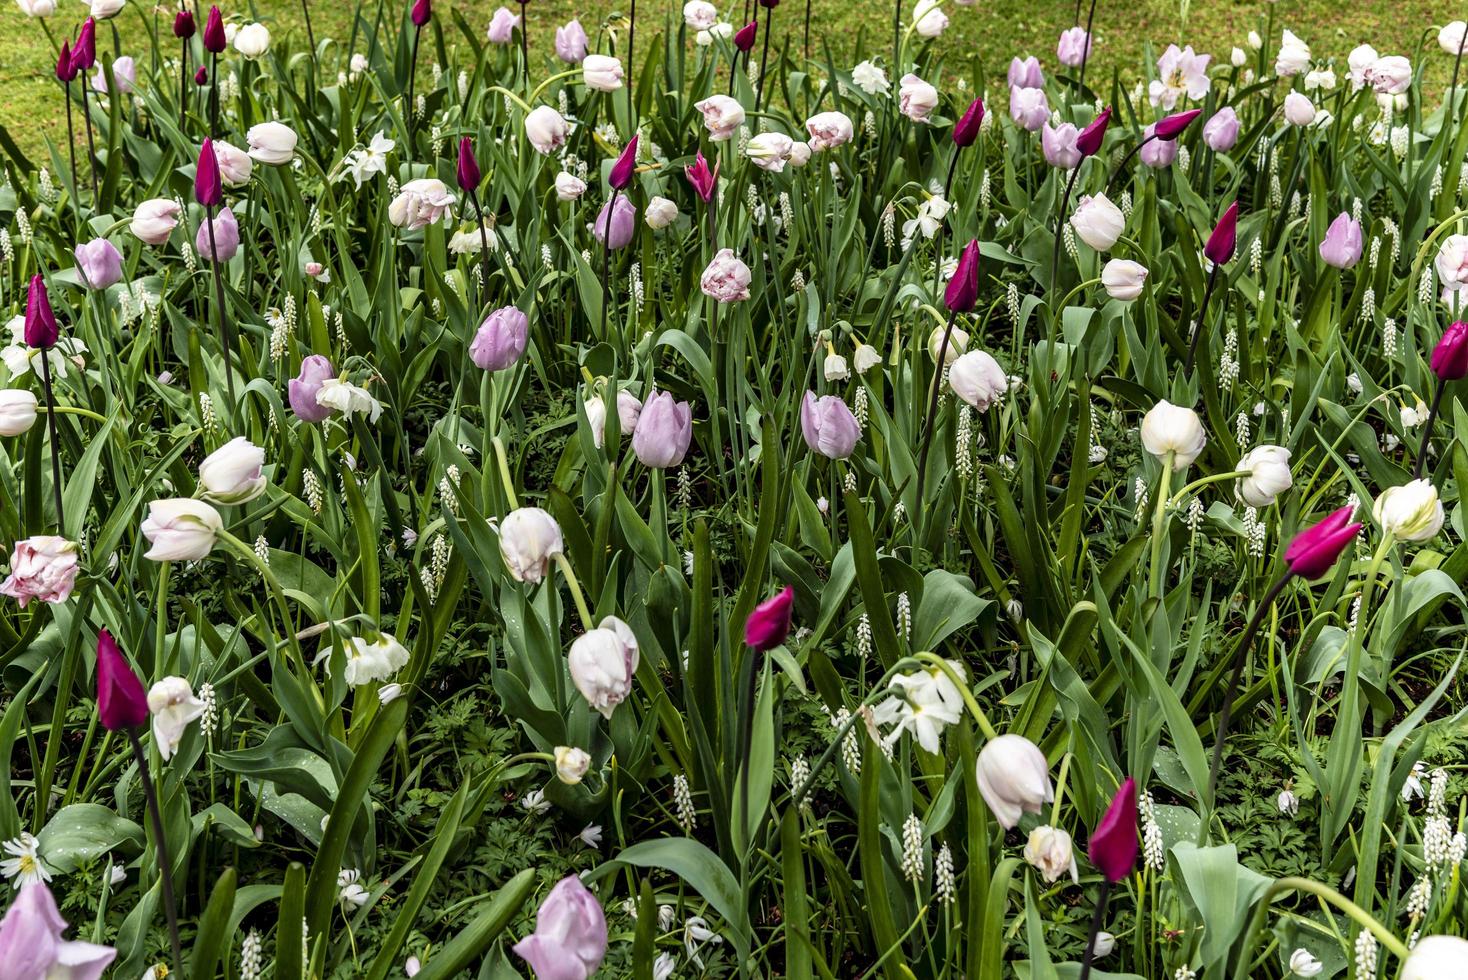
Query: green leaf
[701,869]
[83,832]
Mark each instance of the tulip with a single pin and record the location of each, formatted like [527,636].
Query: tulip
[180,529]
[1089,140]
[928,19]
[502,26]
[769,624]
[1450,357]
[154,220]
[1298,110]
[1113,847]
[500,339]
[829,130]
[744,37]
[65,73]
[1050,851]
[271,143]
[214,38]
[629,412]
[1170,429]
[123,71]
[1156,153]
[42,567]
[660,213]
[571,764]
[571,42]
[1391,75]
[1293,57]
[183,24]
[530,539]
[1269,475]
[546,129]
[1314,550]
[620,176]
[121,701]
[1074,47]
[1013,778]
[1343,243]
[601,73]
[233,473]
[828,426]
[726,279]
[966,130]
[1123,279]
[916,98]
[235,165]
[957,344]
[37,8]
[570,938]
[468,169]
[201,77]
[702,179]
[602,663]
[1221,131]
[569,187]
[420,203]
[664,431]
[421,13]
[620,216]
[1098,222]
[1221,244]
[301,391]
[99,263]
[700,15]
[1171,127]
[84,51]
[1437,958]
[722,116]
[172,703]
[1453,38]
[1029,108]
[799,154]
[41,331]
[963,288]
[31,946]
[218,238]
[978,379]
[1060,145]
[208,187]
[1411,512]
[1026,73]
[17,411]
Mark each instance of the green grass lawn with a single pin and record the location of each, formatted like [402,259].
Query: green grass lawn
[990,31]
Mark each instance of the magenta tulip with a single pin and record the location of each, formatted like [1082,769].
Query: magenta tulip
[1450,356]
[1114,842]
[214,37]
[40,323]
[963,288]
[1314,551]
[183,24]
[1090,139]
[769,624]
[84,52]
[622,171]
[469,175]
[966,130]
[64,70]
[208,185]
[1221,243]
[702,178]
[1171,127]
[121,701]
[744,37]
[570,938]
[421,13]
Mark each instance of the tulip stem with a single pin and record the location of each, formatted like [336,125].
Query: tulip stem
[55,446]
[1220,730]
[606,263]
[412,74]
[933,406]
[1202,321]
[483,247]
[1437,399]
[587,622]
[1124,161]
[1086,45]
[310,34]
[1060,225]
[160,846]
[91,141]
[224,332]
[1097,921]
[524,43]
[1158,520]
[213,94]
[71,147]
[183,86]
[759,92]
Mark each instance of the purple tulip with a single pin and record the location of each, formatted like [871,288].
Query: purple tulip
[500,339]
[1074,47]
[1171,127]
[1450,357]
[1026,74]
[123,71]
[214,38]
[571,42]
[40,323]
[1113,848]
[1090,139]
[702,178]
[664,431]
[1343,243]
[183,24]
[99,262]
[769,624]
[302,389]
[226,237]
[570,937]
[828,426]
[469,175]
[121,701]
[1221,131]
[84,51]
[1029,108]
[963,288]
[1314,550]
[1059,144]
[208,185]
[626,165]
[744,37]
[421,13]
[64,70]
[622,220]
[201,77]
[966,130]
[31,943]
[1156,153]
[1221,243]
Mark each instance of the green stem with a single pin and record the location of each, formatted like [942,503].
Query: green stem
[575,587]
[1158,521]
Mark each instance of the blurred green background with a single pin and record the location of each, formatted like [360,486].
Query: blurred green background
[990,31]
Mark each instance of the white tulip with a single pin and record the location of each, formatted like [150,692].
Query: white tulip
[180,529]
[1298,110]
[252,40]
[17,411]
[602,73]
[1049,850]
[978,379]
[232,474]
[602,663]
[1293,57]
[569,187]
[1437,958]
[37,8]
[530,539]
[1269,475]
[957,344]
[1170,428]
[1410,512]
[1014,778]
[154,220]
[1451,38]
[1098,222]
[571,764]
[660,213]
[1123,279]
[546,128]
[271,143]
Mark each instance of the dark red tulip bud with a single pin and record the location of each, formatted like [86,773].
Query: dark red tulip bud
[769,4]
[84,51]
[40,323]
[469,174]
[769,624]
[121,701]
[201,77]
[702,178]
[1171,127]
[1314,550]
[214,39]
[64,70]
[966,130]
[1090,139]
[744,38]
[421,13]
[208,187]
[1450,356]
[625,166]
[963,288]
[1114,842]
[1221,243]
[183,24]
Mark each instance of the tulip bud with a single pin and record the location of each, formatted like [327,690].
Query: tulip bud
[769,623]
[1450,357]
[1437,958]
[180,529]
[84,51]
[702,178]
[1090,139]
[602,663]
[1269,475]
[966,130]
[208,186]
[421,13]
[233,473]
[546,129]
[828,426]
[1113,847]
[1014,778]
[1097,221]
[978,379]
[530,539]
[1315,549]
[17,411]
[99,263]
[500,339]
[121,701]
[1221,131]
[215,40]
[1171,127]
[1050,851]
[601,73]
[621,175]
[1298,110]
[201,76]
[963,288]
[1173,429]
[271,143]
[183,24]
[570,938]
[1221,243]
[1410,512]
[571,764]
[664,431]
[468,171]
[1341,248]
[64,70]
[40,323]
[1123,279]
[744,37]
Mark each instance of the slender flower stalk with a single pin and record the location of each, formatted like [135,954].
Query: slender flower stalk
[421,14]
[214,43]
[525,41]
[65,72]
[764,56]
[469,177]
[83,57]
[41,333]
[620,179]
[1218,250]
[1167,128]
[1086,50]
[310,34]
[960,296]
[209,191]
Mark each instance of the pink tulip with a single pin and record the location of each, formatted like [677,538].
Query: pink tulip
[621,219]
[726,279]
[570,937]
[43,567]
[664,431]
[1156,153]
[301,390]
[1059,144]
[1113,848]
[500,339]
[1221,131]
[571,42]
[31,945]
[828,426]
[769,624]
[1343,243]
[99,262]
[1026,74]
[1314,550]
[1074,47]
[226,237]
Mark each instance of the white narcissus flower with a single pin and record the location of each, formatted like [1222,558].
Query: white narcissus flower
[929,701]
[233,473]
[835,367]
[530,539]
[172,704]
[870,78]
[1269,475]
[1014,778]
[1173,429]
[1410,512]
[348,399]
[571,764]
[1123,279]
[371,661]
[978,379]
[1049,850]
[1097,221]
[602,663]
[180,529]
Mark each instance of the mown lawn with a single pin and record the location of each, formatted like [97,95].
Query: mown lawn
[990,32]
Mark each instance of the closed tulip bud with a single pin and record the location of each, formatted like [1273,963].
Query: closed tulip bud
[1113,848]
[1074,47]
[978,379]
[1314,550]
[1171,127]
[957,344]
[154,220]
[571,42]
[571,764]
[616,223]
[1026,73]
[1173,429]
[928,19]
[1437,958]
[916,98]
[966,130]
[722,116]
[180,529]
[1221,131]
[1450,357]
[17,411]
[963,289]
[183,24]
[601,73]
[701,178]
[1105,943]
[40,323]
[629,412]
[99,263]
[252,40]
[208,186]
[769,624]
[660,213]
[1050,851]
[744,37]
[602,663]
[1013,778]
[301,390]
[421,12]
[226,240]
[1029,108]
[570,938]
[1156,153]
[1090,139]
[1123,279]
[1269,475]
[1221,244]
[215,40]
[271,143]
[1298,110]
[546,129]
[828,426]
[233,473]
[1343,242]
[502,26]
[468,169]
[1410,512]
[121,701]
[1453,38]
[1059,145]
[84,51]
[1097,221]
[530,539]
[500,339]
[664,431]
[569,187]
[201,76]
[64,70]
[623,170]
